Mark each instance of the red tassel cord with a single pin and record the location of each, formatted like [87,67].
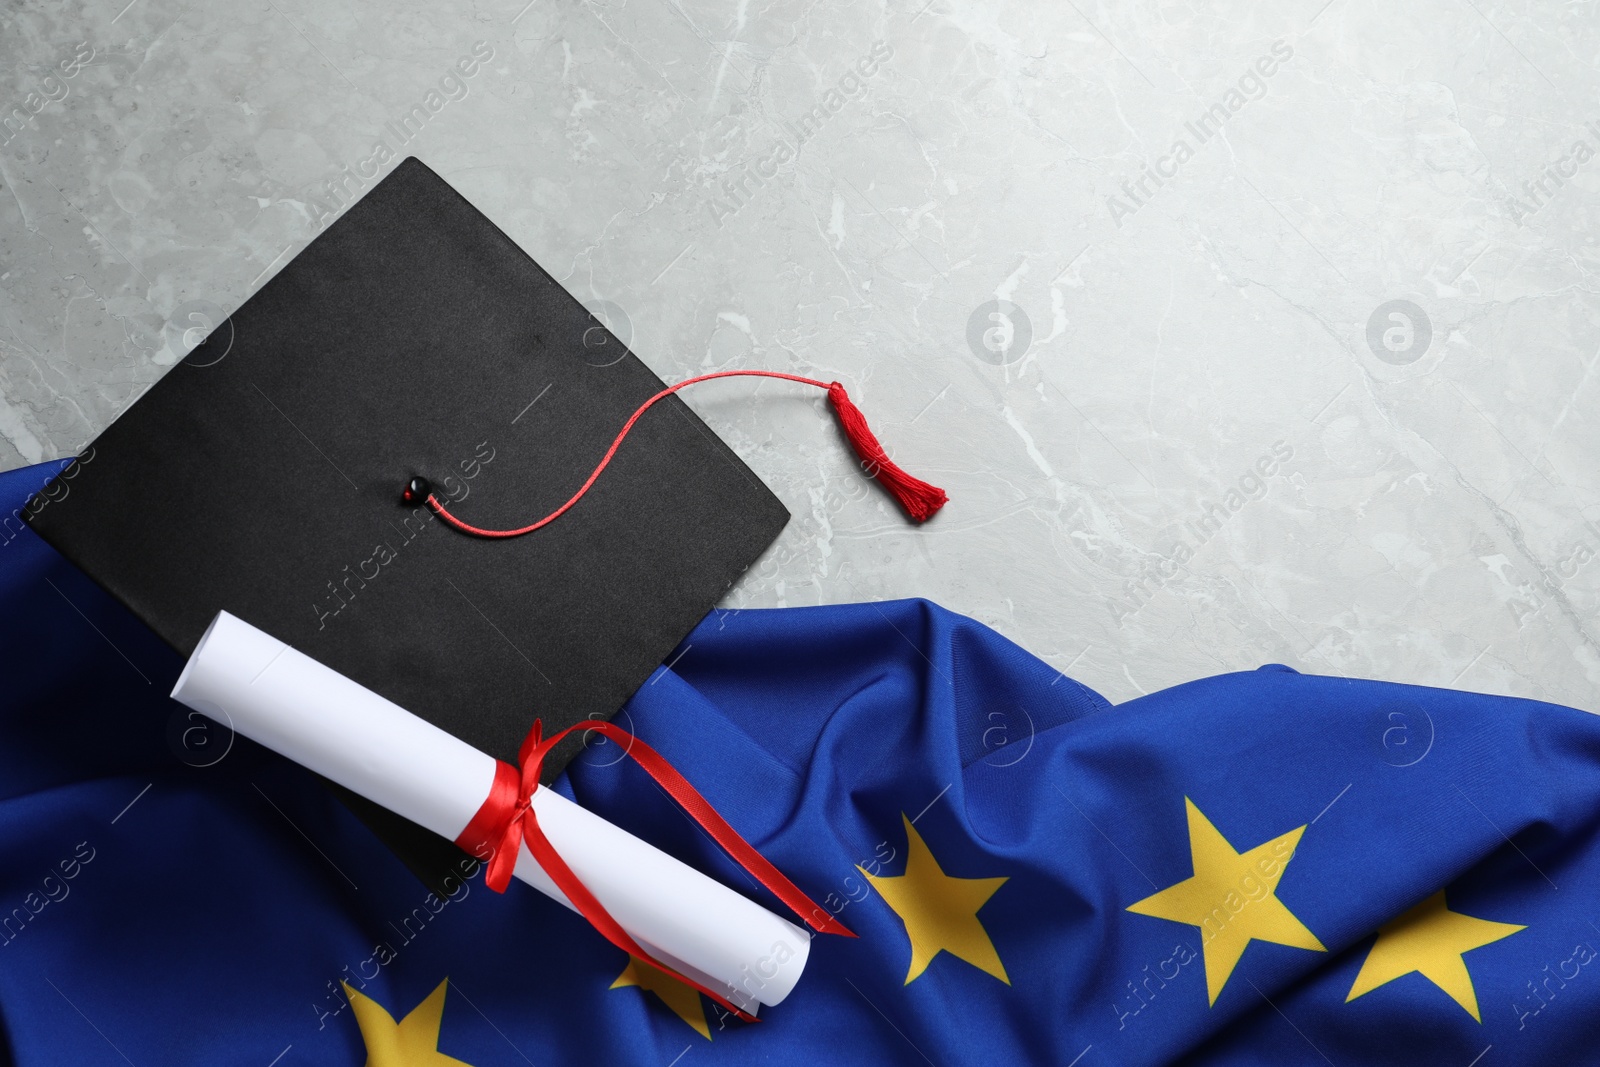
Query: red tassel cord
[919,499]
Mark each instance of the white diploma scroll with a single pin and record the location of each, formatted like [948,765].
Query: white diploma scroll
[274,695]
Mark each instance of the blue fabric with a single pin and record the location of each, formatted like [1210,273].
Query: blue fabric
[161,906]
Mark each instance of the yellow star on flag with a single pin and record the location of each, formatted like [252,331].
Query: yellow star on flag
[1431,940]
[674,994]
[940,912]
[1232,897]
[412,1042]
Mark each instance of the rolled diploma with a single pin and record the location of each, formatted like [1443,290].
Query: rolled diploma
[272,694]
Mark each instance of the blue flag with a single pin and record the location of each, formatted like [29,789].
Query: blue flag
[1259,868]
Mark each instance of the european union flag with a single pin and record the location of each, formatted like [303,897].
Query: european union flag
[1259,868]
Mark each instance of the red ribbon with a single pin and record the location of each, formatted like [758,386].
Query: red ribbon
[507,819]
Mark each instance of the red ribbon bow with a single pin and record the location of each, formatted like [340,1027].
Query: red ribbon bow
[507,819]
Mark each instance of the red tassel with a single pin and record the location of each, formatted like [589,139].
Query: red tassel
[920,499]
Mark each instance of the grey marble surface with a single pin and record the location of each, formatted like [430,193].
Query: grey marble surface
[1260,333]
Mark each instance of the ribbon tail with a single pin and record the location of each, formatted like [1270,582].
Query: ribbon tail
[698,808]
[492,836]
[504,861]
[590,908]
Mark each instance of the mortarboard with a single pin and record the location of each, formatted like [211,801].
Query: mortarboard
[261,475]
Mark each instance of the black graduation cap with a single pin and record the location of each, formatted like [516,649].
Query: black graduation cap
[263,475]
